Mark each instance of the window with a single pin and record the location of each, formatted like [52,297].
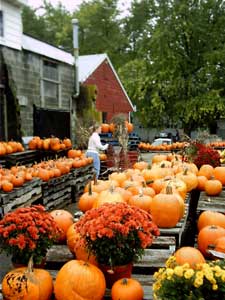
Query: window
[50,85]
[1,24]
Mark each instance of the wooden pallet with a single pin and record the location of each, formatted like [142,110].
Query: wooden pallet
[28,194]
[27,157]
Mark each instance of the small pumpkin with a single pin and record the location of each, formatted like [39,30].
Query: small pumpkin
[213,187]
[207,237]
[64,220]
[27,283]
[87,199]
[127,288]
[209,217]
[78,280]
[189,255]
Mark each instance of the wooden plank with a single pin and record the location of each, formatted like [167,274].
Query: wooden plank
[214,203]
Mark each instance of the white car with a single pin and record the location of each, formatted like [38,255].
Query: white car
[161,141]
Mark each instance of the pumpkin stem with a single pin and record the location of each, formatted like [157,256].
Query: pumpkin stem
[30,265]
[169,189]
[144,184]
[124,281]
[95,180]
[89,189]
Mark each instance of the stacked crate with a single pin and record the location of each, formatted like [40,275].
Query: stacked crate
[79,179]
[56,192]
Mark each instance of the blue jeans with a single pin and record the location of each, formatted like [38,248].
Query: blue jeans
[96,161]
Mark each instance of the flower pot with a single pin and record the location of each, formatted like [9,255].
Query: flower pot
[112,274]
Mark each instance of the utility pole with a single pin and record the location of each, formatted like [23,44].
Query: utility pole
[76,56]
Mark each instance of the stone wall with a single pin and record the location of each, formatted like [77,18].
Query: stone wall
[24,74]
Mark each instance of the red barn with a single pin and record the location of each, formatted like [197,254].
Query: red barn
[111,98]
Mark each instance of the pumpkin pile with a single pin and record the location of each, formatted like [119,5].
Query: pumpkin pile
[52,143]
[164,147]
[106,128]
[10,147]
[17,176]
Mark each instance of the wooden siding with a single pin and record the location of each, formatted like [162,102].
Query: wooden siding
[12,24]
[110,98]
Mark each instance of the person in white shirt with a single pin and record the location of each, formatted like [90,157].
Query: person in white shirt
[94,145]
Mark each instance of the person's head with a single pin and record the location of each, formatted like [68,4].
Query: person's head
[96,128]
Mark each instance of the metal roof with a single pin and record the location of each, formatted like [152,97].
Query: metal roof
[87,64]
[41,48]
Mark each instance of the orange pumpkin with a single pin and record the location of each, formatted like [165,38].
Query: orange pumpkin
[64,220]
[105,128]
[27,283]
[209,217]
[87,199]
[213,187]
[206,170]
[207,237]
[189,255]
[127,288]
[201,182]
[165,209]
[142,201]
[78,280]
[219,173]
[220,244]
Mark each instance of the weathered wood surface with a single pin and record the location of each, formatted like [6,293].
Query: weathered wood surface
[214,203]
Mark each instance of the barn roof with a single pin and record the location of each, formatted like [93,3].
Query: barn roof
[87,64]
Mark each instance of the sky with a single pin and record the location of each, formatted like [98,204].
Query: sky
[71,5]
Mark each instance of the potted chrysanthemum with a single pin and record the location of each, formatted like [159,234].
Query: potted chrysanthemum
[182,282]
[116,234]
[26,232]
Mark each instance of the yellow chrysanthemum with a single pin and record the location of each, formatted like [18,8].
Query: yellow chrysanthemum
[189,273]
[178,271]
[198,282]
[215,287]
[169,272]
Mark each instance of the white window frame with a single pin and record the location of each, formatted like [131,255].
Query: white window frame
[44,79]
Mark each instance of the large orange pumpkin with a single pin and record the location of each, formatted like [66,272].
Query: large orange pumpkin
[127,288]
[64,220]
[27,283]
[165,209]
[79,280]
[206,170]
[189,255]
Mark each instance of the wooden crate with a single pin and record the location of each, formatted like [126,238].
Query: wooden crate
[29,193]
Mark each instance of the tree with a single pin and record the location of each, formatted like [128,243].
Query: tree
[53,26]
[184,57]
[100,29]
